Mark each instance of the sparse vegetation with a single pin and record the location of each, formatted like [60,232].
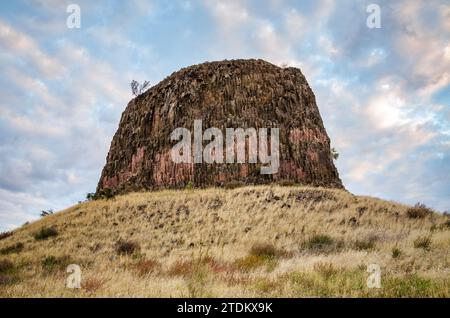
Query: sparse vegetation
[241,243]
[418,211]
[137,89]
[46,213]
[334,154]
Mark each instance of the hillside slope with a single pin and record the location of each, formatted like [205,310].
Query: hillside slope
[251,242]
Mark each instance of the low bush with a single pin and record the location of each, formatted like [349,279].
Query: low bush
[7,279]
[446,225]
[325,269]
[251,262]
[8,273]
[145,267]
[265,250]
[261,254]
[106,193]
[190,267]
[123,247]
[4,235]
[365,244]
[189,185]
[182,268]
[233,185]
[423,242]
[269,251]
[92,284]
[15,248]
[215,265]
[286,183]
[321,243]
[6,266]
[45,233]
[52,263]
[418,211]
[396,252]
[45,213]
[91,196]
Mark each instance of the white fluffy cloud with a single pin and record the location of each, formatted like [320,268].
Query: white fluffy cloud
[21,45]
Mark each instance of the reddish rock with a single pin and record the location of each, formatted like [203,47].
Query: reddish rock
[226,94]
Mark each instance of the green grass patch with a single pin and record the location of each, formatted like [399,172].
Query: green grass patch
[321,243]
[414,285]
[51,264]
[267,286]
[260,255]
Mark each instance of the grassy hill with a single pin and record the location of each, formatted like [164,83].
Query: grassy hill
[260,241]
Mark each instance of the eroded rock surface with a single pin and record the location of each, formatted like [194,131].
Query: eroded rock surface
[226,94]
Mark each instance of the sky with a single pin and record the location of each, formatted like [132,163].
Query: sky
[383,93]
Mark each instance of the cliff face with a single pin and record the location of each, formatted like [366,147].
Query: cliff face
[226,94]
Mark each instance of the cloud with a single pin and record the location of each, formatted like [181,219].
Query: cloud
[22,46]
[13,206]
[56,132]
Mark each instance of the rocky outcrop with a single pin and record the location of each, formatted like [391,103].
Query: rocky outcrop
[225,94]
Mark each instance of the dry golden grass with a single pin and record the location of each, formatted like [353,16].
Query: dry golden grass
[257,241]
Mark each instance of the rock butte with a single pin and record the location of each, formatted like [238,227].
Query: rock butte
[235,93]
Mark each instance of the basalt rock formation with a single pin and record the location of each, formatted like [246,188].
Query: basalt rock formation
[225,94]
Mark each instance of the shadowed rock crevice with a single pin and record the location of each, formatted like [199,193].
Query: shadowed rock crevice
[226,94]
